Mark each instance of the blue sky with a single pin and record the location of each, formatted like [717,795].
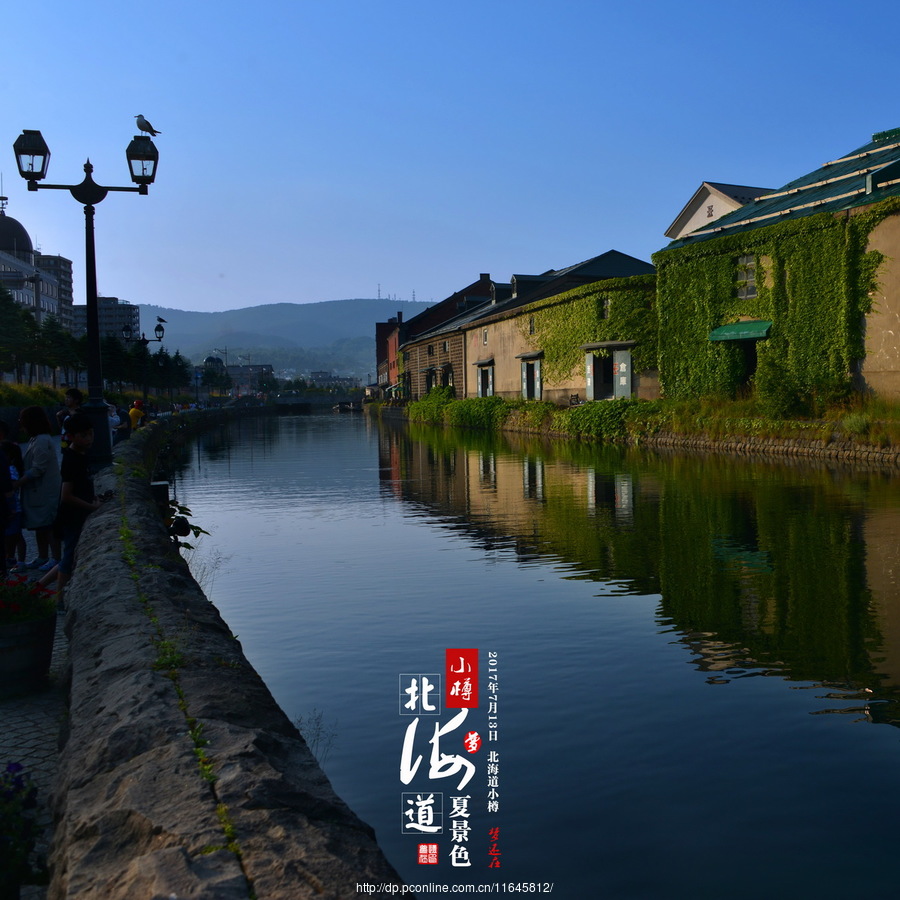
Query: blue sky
[315,150]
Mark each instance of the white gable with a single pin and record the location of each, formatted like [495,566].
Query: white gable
[711,202]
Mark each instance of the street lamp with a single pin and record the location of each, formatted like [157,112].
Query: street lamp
[128,337]
[128,334]
[33,159]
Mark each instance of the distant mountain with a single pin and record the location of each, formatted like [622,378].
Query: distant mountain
[336,335]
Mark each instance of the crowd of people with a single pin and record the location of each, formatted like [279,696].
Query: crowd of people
[49,493]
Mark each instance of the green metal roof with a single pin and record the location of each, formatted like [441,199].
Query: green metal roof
[741,331]
[863,176]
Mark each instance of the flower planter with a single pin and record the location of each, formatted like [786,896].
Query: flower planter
[25,652]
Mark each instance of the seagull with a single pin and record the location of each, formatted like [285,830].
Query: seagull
[160,319]
[144,125]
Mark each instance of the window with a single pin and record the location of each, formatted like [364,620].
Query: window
[531,324]
[484,336]
[446,346]
[746,277]
[431,349]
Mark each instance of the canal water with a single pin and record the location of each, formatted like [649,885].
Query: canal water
[688,668]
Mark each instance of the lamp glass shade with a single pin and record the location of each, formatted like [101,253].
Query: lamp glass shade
[143,158]
[32,155]
[159,331]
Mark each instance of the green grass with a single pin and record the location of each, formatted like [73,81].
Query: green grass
[864,420]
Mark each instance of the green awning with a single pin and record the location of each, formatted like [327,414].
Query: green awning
[741,331]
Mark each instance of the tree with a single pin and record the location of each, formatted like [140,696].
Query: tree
[267,383]
[73,356]
[182,372]
[54,345]
[32,350]
[12,333]
[170,372]
[114,359]
[137,365]
[79,355]
[216,379]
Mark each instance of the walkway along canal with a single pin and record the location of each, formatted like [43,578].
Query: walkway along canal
[179,775]
[697,658]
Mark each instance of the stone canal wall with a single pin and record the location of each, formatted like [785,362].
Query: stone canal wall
[179,774]
[851,453]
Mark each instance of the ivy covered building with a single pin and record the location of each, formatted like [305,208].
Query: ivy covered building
[540,337]
[796,294]
[568,333]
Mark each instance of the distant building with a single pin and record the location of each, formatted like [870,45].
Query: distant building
[31,287]
[61,269]
[113,315]
[245,379]
[395,379]
[489,342]
[327,379]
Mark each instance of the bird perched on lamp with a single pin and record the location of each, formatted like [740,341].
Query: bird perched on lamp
[160,319]
[144,125]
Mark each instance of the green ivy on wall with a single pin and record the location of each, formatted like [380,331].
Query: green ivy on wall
[814,278]
[616,309]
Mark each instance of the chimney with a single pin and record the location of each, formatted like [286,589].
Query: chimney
[399,318]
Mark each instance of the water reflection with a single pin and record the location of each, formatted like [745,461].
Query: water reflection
[768,568]
[686,641]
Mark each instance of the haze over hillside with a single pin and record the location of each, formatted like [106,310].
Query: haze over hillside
[336,336]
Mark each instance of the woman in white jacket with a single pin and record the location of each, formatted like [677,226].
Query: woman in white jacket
[40,485]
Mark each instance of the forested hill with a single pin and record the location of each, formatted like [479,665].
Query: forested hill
[335,335]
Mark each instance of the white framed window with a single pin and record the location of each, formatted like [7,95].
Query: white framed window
[746,277]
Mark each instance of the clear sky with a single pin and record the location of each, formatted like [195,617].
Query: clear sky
[316,149]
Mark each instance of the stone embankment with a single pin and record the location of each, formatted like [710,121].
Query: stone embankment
[850,452]
[179,775]
[838,449]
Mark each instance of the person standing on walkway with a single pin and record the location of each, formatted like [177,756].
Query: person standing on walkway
[40,485]
[114,421]
[7,491]
[136,414]
[73,400]
[77,498]
[14,542]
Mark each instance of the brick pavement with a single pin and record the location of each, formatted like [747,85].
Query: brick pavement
[29,734]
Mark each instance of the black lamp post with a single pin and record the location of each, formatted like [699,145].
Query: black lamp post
[128,337]
[33,158]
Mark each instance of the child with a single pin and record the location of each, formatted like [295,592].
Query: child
[14,542]
[76,499]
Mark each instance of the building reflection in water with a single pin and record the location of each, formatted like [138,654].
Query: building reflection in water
[763,568]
